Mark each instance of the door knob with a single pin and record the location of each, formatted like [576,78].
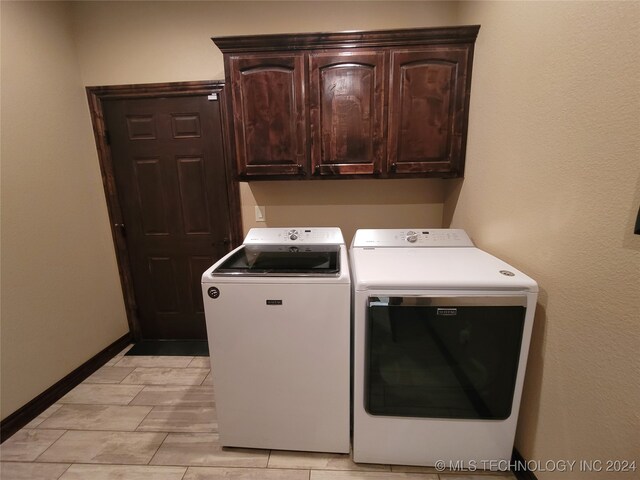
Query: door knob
[225,241]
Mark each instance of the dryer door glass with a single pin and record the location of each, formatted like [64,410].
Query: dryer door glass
[445,357]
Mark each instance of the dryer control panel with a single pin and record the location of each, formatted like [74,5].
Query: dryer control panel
[294,235]
[411,237]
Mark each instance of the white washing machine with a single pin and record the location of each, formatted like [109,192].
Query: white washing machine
[278,322]
[441,336]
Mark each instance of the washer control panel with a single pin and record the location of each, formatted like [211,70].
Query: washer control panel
[414,237]
[294,235]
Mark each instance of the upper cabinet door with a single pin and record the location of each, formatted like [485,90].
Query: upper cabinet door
[428,110]
[346,105]
[269,118]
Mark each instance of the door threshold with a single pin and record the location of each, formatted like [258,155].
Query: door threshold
[188,348]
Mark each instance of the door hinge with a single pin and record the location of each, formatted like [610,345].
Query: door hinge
[121,227]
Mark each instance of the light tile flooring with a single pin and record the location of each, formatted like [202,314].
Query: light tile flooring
[154,418]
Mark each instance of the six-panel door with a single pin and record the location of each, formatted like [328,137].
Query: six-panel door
[269,116]
[346,100]
[168,160]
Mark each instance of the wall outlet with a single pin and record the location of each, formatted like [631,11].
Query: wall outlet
[261,213]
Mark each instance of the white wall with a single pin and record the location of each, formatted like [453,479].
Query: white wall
[553,186]
[61,297]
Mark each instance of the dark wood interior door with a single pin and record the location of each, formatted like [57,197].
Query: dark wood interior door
[168,160]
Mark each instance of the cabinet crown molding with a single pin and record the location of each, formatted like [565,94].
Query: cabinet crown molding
[349,39]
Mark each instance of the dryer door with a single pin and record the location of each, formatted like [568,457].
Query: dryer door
[443,357]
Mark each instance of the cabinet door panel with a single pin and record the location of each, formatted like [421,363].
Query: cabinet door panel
[269,114]
[428,110]
[347,97]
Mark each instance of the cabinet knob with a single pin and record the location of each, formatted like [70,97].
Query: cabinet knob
[393,167]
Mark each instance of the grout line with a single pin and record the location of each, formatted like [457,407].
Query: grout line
[144,418]
[52,444]
[157,449]
[186,469]
[38,425]
[65,470]
[111,464]
[115,364]
[134,397]
[32,461]
[127,376]
[204,379]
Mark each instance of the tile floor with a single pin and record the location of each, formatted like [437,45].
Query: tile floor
[154,418]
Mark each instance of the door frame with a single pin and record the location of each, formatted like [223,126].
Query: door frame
[96,96]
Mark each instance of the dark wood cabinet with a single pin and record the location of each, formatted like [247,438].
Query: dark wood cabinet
[428,110]
[269,114]
[345,105]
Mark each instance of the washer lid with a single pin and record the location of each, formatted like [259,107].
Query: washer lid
[434,268]
[411,238]
[282,260]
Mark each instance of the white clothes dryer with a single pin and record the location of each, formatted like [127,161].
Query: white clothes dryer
[441,337]
[277,311]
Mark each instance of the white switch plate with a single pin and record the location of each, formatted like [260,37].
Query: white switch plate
[261,213]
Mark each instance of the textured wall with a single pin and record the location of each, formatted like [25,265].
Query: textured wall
[137,42]
[552,185]
[61,297]
[349,204]
[157,41]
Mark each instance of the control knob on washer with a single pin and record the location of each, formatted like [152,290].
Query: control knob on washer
[412,236]
[293,234]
